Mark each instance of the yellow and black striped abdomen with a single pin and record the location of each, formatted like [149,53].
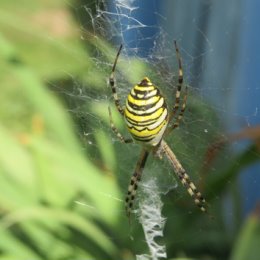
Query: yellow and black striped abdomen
[146,113]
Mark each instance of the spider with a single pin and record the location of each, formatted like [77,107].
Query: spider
[148,120]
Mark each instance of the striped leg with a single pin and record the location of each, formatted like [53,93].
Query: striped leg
[180,82]
[183,176]
[112,83]
[180,116]
[115,130]
[130,197]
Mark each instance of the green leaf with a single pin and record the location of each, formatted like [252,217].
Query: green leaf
[247,243]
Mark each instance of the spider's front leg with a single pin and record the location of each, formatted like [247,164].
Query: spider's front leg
[135,179]
[184,177]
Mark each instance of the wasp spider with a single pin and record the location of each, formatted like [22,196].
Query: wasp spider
[148,120]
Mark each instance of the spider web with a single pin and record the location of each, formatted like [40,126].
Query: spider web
[147,30]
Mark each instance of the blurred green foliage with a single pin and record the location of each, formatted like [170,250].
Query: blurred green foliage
[60,196]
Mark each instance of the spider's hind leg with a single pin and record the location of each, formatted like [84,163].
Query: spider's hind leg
[116,131]
[112,83]
[180,116]
[180,82]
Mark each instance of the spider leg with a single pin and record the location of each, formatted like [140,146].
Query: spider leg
[132,188]
[180,116]
[184,177]
[116,131]
[112,83]
[179,84]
